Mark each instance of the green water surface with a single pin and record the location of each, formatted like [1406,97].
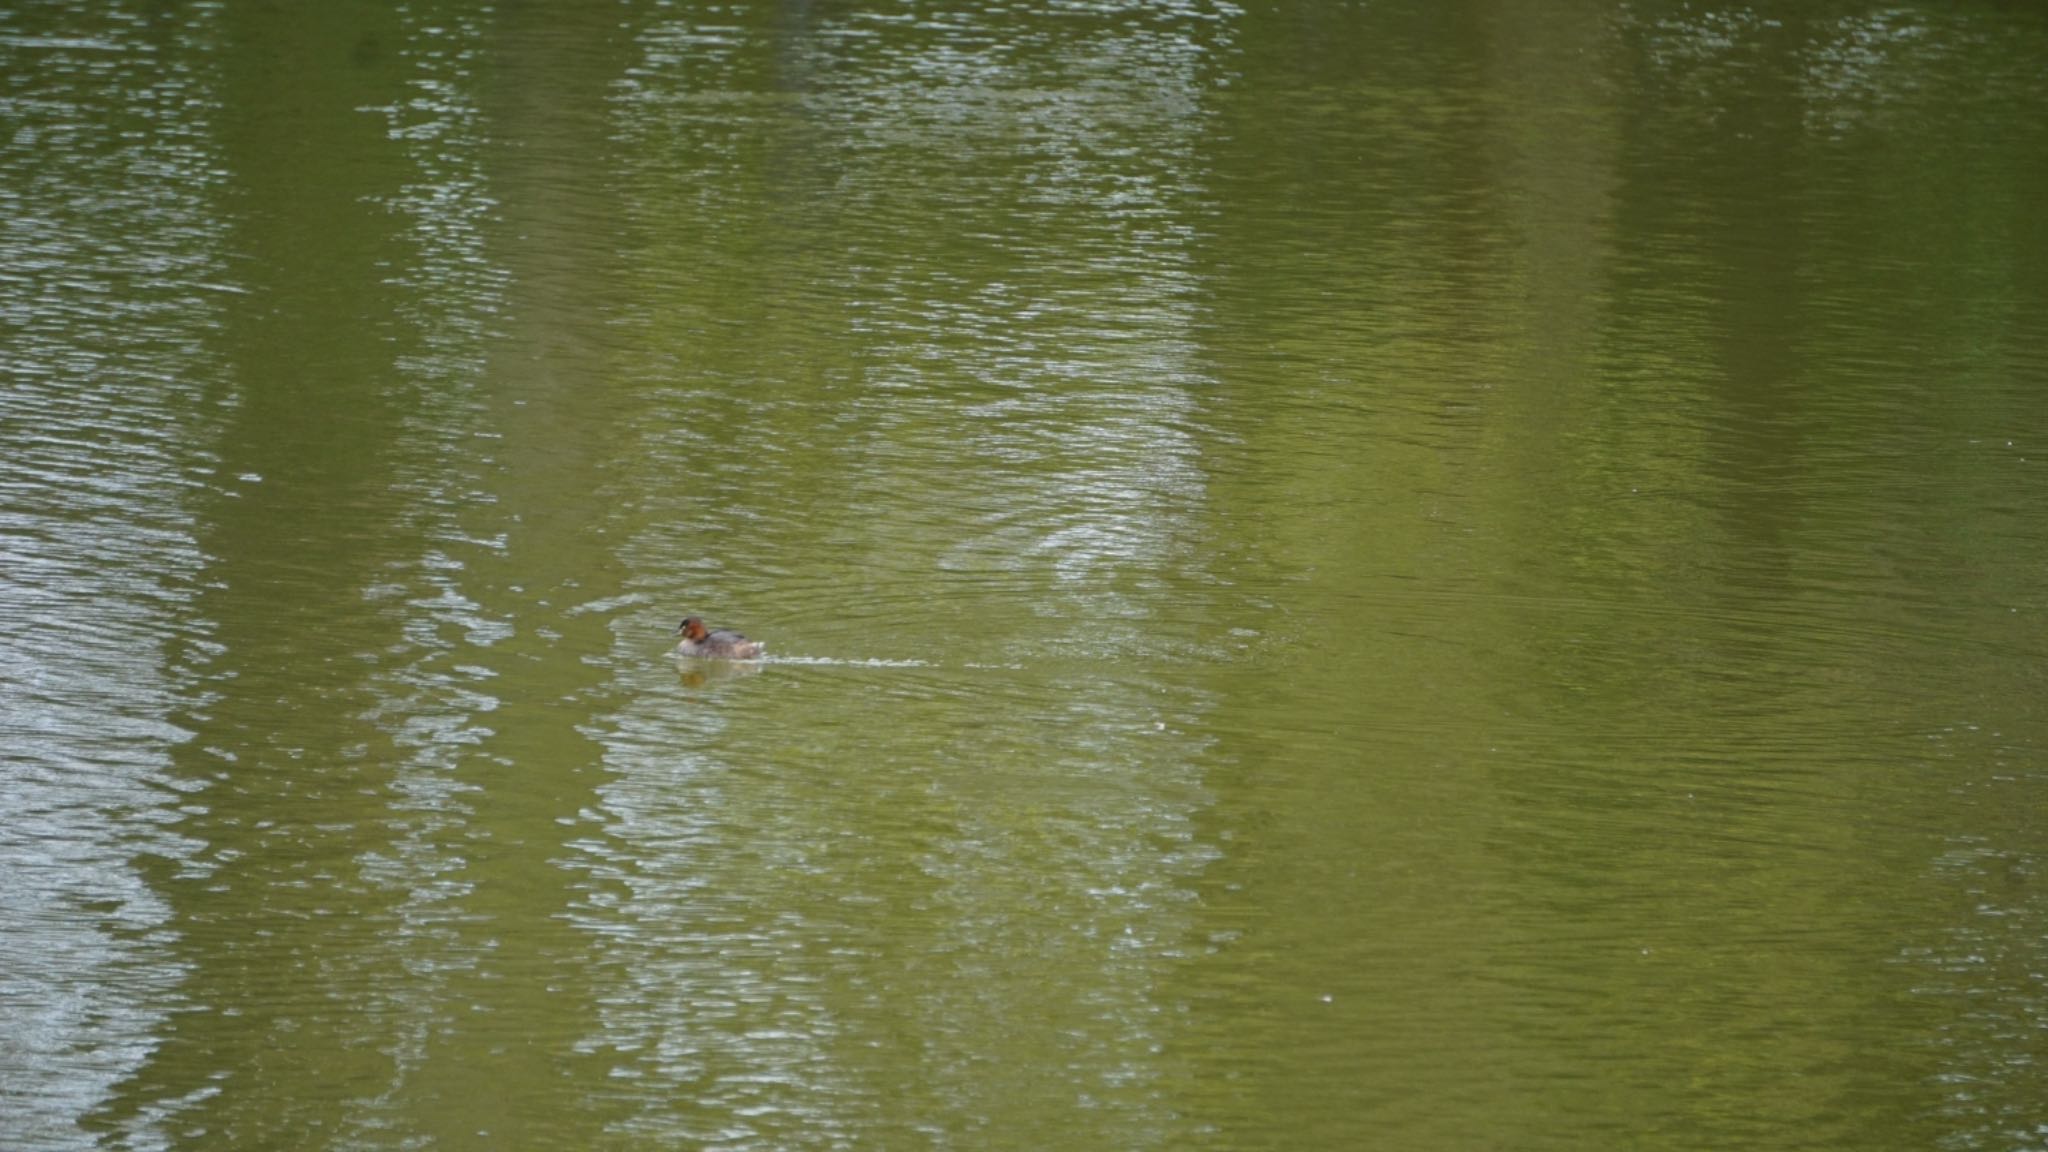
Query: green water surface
[1407,575]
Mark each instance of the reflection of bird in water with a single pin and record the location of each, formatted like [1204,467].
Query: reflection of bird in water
[724,644]
[703,673]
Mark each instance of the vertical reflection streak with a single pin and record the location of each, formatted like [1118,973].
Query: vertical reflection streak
[1001,422]
[113,273]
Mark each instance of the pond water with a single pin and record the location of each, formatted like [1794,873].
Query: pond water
[1410,575]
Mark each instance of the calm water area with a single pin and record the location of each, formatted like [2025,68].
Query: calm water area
[1399,574]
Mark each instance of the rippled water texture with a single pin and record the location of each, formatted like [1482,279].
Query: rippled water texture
[1394,575]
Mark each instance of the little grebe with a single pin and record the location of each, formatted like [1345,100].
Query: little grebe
[723,644]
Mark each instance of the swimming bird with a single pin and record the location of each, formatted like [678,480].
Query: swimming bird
[723,644]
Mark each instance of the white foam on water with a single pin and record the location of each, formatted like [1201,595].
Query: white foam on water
[835,662]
